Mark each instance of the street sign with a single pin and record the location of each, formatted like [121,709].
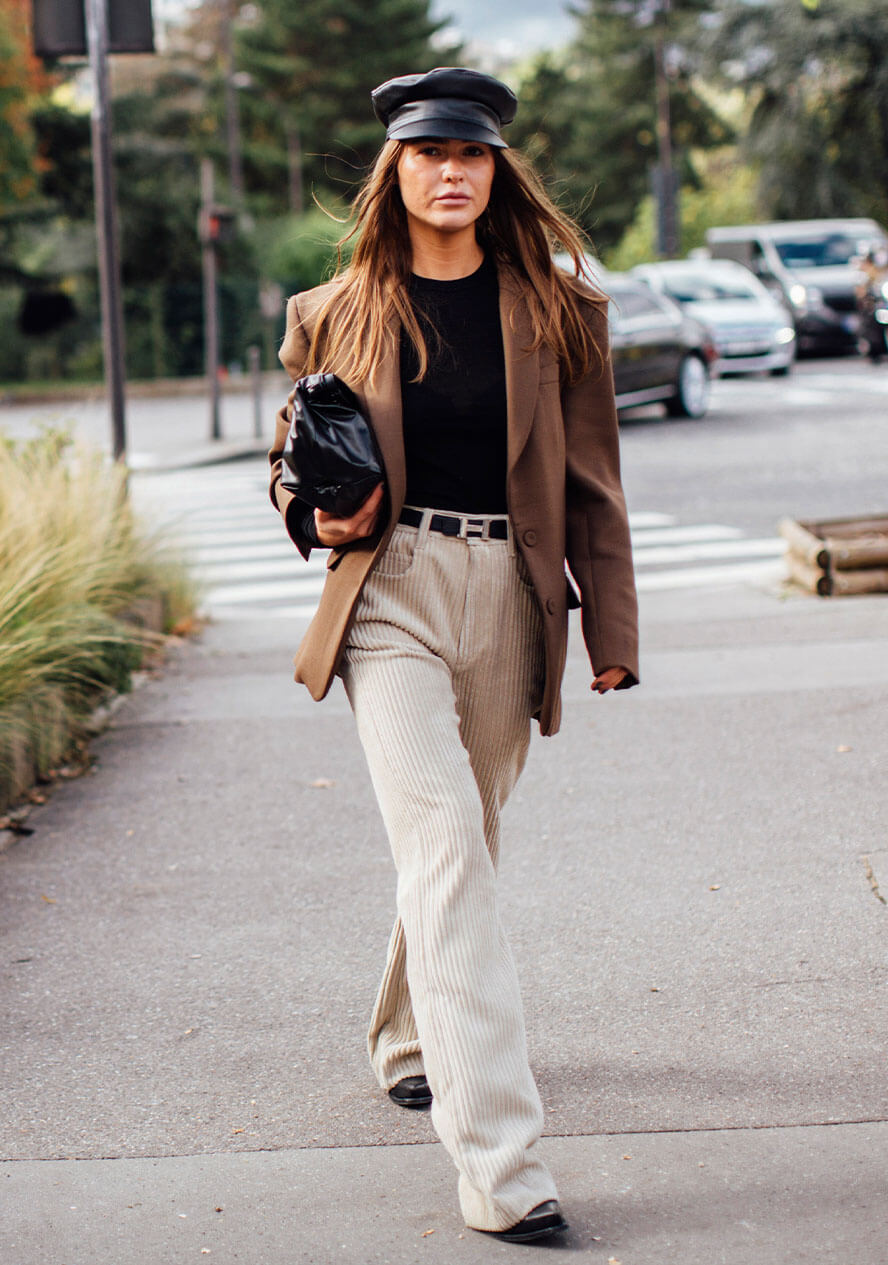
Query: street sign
[60,27]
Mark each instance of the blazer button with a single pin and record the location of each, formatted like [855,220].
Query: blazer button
[530,538]
[551,605]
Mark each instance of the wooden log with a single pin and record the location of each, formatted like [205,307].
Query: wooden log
[862,551]
[803,543]
[870,580]
[811,578]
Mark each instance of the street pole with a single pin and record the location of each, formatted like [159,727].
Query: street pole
[211,296]
[96,13]
[232,108]
[667,215]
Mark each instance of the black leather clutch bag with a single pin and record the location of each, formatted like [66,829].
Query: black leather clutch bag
[331,460]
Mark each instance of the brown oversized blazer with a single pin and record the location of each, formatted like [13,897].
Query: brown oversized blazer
[563,490]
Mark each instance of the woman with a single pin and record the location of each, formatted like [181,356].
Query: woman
[483,370]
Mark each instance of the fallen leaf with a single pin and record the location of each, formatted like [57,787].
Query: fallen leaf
[844,748]
[627,1157]
[238,1130]
[715,887]
[322,783]
[655,990]
[426,1233]
[612,1260]
[220,1209]
[49,900]
[183,628]
[16,828]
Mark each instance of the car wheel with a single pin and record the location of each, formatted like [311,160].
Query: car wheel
[691,397]
[782,372]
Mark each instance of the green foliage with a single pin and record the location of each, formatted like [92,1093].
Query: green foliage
[300,251]
[312,67]
[817,80]
[728,195]
[74,564]
[21,79]
[590,117]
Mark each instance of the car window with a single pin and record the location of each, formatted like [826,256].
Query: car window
[628,303]
[827,251]
[697,288]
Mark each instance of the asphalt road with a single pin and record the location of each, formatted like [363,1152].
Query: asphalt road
[813,445]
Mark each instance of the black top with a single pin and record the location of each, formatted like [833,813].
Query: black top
[455,419]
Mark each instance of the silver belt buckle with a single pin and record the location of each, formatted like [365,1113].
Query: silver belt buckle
[476,528]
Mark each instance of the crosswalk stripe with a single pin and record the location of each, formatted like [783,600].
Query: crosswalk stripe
[705,550]
[710,577]
[249,566]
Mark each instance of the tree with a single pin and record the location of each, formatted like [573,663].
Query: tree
[816,77]
[22,82]
[310,70]
[591,115]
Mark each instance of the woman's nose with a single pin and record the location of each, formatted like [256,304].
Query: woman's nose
[452,170]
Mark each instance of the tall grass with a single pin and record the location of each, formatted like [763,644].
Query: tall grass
[74,564]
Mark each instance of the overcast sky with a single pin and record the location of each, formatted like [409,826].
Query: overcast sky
[501,29]
[509,28]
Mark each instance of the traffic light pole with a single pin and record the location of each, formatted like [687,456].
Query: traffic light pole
[96,13]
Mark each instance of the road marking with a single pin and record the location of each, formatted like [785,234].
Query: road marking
[711,577]
[703,551]
[250,568]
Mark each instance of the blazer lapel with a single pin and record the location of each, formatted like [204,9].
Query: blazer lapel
[382,400]
[522,365]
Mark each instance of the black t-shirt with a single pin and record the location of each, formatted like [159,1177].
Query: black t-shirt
[455,419]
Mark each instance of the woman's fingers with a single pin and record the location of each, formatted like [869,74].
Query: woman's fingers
[609,679]
[339,531]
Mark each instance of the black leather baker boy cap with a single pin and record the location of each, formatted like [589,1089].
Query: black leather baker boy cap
[448,102]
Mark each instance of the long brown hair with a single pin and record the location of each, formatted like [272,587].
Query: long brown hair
[520,227]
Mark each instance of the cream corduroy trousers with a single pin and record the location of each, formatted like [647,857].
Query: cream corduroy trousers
[443,671]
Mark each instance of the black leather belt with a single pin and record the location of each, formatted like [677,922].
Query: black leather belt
[463,525]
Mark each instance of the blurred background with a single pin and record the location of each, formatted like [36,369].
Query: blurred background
[748,110]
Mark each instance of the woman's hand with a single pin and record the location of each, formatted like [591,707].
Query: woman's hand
[609,679]
[333,531]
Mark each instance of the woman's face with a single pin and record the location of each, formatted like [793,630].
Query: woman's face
[445,184]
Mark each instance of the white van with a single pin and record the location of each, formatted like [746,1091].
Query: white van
[812,266]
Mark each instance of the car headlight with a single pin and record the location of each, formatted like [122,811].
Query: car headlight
[805,296]
[784,335]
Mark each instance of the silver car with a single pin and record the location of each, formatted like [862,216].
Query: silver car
[751,330]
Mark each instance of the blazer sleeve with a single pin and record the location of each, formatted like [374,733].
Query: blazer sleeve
[298,519]
[598,544]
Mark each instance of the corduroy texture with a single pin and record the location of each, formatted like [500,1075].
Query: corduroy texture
[443,668]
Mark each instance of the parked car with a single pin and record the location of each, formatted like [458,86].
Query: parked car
[811,265]
[751,330]
[659,353]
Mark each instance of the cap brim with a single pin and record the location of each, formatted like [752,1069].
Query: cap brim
[444,129]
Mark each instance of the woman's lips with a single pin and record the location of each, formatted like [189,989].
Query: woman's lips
[453,197]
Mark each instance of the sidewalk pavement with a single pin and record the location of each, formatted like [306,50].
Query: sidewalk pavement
[166,429]
[693,878]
